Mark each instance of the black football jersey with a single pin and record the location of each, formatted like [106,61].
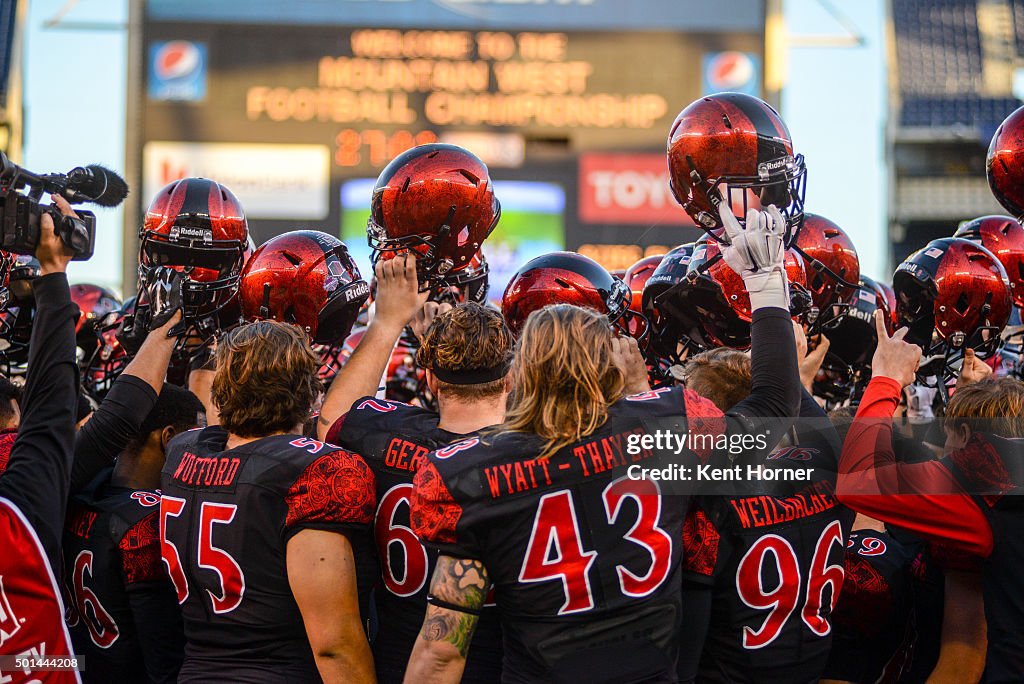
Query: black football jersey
[584,559]
[874,632]
[394,438]
[774,566]
[225,520]
[121,606]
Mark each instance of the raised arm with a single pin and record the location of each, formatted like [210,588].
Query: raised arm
[921,497]
[398,299]
[37,475]
[757,253]
[129,401]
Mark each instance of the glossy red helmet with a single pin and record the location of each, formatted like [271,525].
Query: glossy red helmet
[952,294]
[307,278]
[436,200]
[110,358]
[1004,237]
[713,301]
[1005,164]
[196,226]
[735,148]
[827,246]
[636,278]
[668,339]
[564,278]
[97,307]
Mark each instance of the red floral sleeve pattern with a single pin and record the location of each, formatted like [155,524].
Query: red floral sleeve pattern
[703,418]
[335,488]
[434,513]
[700,543]
[140,551]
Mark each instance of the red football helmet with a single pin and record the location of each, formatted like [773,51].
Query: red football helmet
[98,307]
[196,226]
[564,278]
[1005,164]
[713,302]
[110,358]
[1004,237]
[307,278]
[952,294]
[829,252]
[668,339]
[436,200]
[735,148]
[636,278]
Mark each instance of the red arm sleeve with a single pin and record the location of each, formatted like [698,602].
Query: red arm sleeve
[924,498]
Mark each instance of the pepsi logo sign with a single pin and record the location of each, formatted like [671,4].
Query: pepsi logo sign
[177,59]
[731,71]
[177,70]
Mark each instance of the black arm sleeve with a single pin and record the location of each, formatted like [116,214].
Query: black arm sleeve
[116,421]
[38,472]
[161,633]
[774,399]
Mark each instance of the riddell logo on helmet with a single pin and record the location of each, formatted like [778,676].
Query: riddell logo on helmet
[358,289]
[191,233]
[775,165]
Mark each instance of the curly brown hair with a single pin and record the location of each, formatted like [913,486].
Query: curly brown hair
[467,337]
[266,379]
[564,378]
[721,375]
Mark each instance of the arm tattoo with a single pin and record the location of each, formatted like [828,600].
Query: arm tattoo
[459,582]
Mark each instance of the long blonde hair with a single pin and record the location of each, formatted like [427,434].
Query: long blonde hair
[563,376]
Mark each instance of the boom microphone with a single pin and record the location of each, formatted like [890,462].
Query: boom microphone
[96,184]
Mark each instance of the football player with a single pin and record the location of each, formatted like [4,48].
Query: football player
[583,558]
[266,533]
[771,560]
[966,500]
[466,351]
[124,613]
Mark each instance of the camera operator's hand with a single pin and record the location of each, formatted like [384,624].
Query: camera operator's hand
[757,253]
[54,256]
[893,357]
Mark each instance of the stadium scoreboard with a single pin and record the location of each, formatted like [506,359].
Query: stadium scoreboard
[298,106]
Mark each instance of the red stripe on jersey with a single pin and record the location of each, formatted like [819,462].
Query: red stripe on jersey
[703,418]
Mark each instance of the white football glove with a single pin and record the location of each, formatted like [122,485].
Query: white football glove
[757,253]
